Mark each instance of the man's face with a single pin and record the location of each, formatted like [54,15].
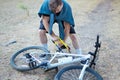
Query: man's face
[58,9]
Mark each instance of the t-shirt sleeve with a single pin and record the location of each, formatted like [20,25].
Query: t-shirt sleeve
[44,9]
[67,14]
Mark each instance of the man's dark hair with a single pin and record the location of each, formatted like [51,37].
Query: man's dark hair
[53,4]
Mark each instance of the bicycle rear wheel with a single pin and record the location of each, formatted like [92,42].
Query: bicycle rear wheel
[20,62]
[73,72]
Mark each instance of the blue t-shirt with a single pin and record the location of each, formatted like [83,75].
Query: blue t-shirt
[64,15]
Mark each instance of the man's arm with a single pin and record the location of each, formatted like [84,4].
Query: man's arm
[46,25]
[45,20]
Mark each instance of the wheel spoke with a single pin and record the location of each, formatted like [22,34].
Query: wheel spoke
[73,73]
[27,58]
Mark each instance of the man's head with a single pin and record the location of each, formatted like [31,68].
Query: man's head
[55,5]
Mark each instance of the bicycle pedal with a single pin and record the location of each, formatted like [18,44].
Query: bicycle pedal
[32,64]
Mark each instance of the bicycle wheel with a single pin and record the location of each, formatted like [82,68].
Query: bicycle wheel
[73,72]
[21,63]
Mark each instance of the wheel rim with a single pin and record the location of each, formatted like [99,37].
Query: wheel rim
[74,75]
[73,72]
[20,62]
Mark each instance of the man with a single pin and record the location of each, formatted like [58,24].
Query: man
[58,11]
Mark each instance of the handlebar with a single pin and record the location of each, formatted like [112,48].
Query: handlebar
[97,48]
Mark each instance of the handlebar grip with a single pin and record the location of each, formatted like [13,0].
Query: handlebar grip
[97,43]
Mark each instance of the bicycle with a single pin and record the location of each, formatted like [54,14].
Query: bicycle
[28,60]
[85,72]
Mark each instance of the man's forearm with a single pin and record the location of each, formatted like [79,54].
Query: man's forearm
[46,25]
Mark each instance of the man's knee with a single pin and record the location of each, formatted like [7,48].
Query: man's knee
[42,32]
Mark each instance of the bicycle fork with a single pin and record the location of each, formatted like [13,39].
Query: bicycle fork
[83,70]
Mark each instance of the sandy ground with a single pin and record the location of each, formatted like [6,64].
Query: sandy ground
[91,18]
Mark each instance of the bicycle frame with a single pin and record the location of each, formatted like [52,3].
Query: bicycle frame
[81,57]
[83,70]
[58,54]
[51,65]
[89,59]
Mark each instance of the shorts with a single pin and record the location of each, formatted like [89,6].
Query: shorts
[72,30]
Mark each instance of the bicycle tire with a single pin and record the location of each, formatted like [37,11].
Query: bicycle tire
[73,72]
[20,52]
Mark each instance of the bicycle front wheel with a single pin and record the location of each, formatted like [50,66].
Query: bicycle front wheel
[20,62]
[73,73]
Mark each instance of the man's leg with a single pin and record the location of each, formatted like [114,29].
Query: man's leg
[74,41]
[71,33]
[75,44]
[42,35]
[43,38]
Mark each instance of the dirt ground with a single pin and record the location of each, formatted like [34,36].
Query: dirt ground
[91,18]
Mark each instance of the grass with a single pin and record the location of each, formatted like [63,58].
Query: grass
[24,8]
